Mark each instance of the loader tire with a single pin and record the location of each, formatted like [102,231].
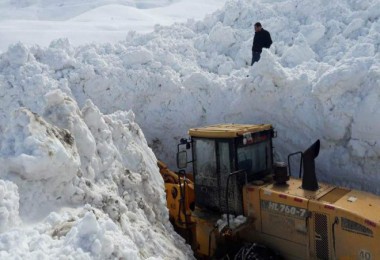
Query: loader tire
[256,252]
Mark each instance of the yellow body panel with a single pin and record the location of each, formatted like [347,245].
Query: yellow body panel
[356,231]
[179,209]
[279,219]
[252,208]
[205,234]
[227,130]
[334,195]
[294,188]
[366,204]
[300,224]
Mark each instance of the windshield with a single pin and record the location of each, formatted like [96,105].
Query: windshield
[205,161]
[255,158]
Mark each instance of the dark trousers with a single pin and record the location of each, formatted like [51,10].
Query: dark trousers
[255,57]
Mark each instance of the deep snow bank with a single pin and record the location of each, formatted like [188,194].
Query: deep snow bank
[74,181]
[319,80]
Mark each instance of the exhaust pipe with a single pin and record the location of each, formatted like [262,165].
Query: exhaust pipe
[309,180]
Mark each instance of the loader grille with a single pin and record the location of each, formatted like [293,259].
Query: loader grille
[321,236]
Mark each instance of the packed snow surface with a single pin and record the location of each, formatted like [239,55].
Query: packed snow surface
[78,177]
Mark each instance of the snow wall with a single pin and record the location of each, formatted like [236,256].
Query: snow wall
[77,169]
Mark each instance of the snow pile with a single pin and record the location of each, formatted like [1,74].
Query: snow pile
[77,170]
[9,204]
[233,222]
[77,182]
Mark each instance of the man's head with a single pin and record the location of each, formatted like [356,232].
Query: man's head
[258,27]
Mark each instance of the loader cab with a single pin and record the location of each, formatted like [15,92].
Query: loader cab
[225,157]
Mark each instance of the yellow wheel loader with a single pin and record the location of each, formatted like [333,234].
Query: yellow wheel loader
[240,204]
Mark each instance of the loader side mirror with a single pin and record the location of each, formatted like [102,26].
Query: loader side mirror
[181,159]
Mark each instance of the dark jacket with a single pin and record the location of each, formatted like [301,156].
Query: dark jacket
[261,40]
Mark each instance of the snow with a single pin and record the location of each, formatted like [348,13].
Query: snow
[233,222]
[81,115]
[86,21]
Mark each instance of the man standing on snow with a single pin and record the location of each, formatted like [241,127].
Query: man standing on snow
[261,40]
